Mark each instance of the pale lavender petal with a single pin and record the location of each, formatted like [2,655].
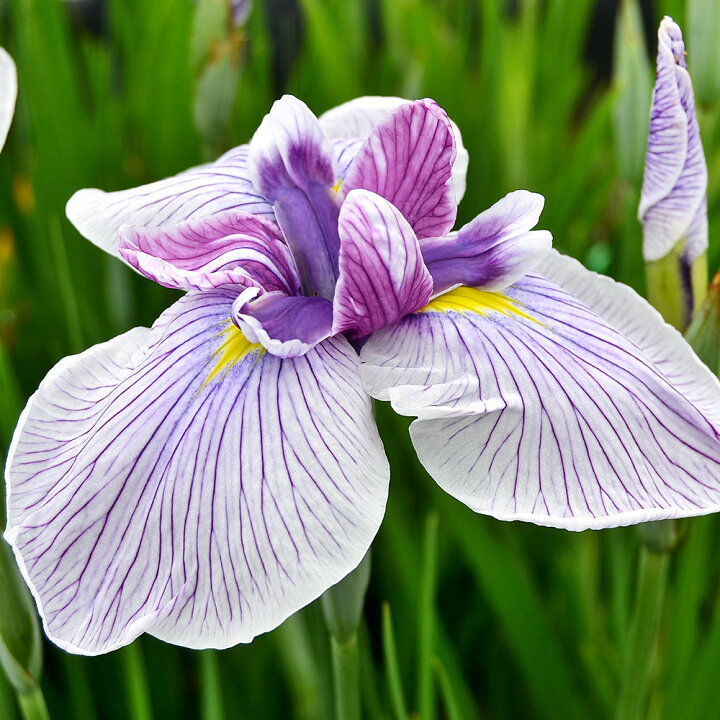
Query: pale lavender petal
[152,491]
[356,119]
[231,248]
[382,274]
[285,326]
[408,159]
[672,206]
[8,94]
[532,407]
[621,307]
[494,250]
[198,192]
[292,165]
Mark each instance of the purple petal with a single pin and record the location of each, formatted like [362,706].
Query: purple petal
[672,205]
[494,250]
[146,496]
[231,248]
[356,119]
[8,94]
[382,275]
[535,408]
[408,160]
[199,192]
[286,326]
[291,162]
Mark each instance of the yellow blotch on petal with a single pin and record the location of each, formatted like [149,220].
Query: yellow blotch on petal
[336,187]
[234,347]
[465,300]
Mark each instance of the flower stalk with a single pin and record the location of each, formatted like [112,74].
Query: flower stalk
[342,607]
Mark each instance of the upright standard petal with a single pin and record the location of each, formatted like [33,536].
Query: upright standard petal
[494,250]
[285,326]
[292,165]
[8,94]
[356,119]
[672,206]
[183,483]
[532,407]
[408,159]
[198,192]
[382,274]
[231,248]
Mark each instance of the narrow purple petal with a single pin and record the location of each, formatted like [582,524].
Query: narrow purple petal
[408,159]
[672,206]
[285,326]
[198,192]
[145,495]
[382,274]
[535,408]
[231,248]
[494,250]
[292,165]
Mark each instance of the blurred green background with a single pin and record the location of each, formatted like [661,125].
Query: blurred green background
[489,620]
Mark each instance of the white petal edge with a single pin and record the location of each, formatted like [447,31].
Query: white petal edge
[198,192]
[8,93]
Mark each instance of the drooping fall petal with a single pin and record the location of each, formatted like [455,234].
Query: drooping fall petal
[181,482]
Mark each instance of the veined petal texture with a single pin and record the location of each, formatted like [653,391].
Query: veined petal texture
[181,482]
[8,93]
[492,251]
[356,119]
[199,192]
[407,159]
[532,407]
[382,274]
[230,248]
[286,326]
[293,165]
[673,202]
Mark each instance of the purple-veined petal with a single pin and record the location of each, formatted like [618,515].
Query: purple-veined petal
[201,191]
[231,248]
[672,205]
[8,94]
[382,274]
[356,119]
[407,159]
[345,152]
[292,165]
[621,307]
[183,483]
[532,407]
[494,250]
[285,326]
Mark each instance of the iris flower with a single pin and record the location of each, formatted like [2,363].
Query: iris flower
[203,479]
[673,205]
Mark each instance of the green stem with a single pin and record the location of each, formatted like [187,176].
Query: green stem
[210,689]
[635,685]
[32,704]
[426,617]
[346,673]
[138,693]
[397,697]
